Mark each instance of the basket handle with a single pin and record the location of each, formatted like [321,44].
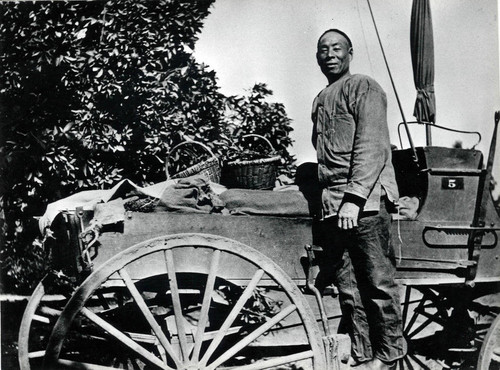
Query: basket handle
[263,138]
[182,144]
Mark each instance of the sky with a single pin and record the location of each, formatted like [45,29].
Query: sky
[274,41]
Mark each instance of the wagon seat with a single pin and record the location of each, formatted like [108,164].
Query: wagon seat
[445,183]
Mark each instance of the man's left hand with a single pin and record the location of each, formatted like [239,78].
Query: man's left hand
[348,216]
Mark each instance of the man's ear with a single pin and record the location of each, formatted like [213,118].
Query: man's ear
[317,58]
[351,54]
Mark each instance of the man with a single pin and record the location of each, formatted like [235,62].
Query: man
[351,138]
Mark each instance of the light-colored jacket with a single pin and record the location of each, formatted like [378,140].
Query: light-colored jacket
[351,138]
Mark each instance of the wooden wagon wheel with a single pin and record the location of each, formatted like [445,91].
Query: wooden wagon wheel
[422,314]
[38,319]
[489,357]
[442,334]
[44,307]
[180,322]
[28,351]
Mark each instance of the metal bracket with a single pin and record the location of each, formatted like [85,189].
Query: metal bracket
[465,230]
[310,285]
[86,260]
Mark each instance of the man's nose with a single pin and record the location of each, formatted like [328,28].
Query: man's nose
[331,53]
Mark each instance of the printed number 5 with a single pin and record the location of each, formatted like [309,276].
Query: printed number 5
[452,183]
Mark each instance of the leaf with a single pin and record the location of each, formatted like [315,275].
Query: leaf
[68,127]
[81,34]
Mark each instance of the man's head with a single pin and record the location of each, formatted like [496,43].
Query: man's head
[334,54]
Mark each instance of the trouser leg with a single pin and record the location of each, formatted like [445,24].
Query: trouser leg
[336,267]
[354,320]
[373,263]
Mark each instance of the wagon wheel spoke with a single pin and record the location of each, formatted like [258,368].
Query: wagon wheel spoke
[407,362]
[437,318]
[232,316]
[414,316]
[162,352]
[252,336]
[419,329]
[406,304]
[148,315]
[139,337]
[36,354]
[205,307]
[412,362]
[176,301]
[103,301]
[118,335]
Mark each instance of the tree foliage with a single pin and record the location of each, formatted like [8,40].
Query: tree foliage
[251,115]
[93,92]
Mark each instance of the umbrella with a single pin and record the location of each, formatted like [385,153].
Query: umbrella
[422,55]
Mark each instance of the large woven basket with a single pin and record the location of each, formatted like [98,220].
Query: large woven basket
[252,174]
[210,168]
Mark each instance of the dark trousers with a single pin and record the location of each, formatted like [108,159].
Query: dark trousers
[361,263]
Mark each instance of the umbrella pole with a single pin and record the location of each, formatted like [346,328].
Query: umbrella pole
[428,135]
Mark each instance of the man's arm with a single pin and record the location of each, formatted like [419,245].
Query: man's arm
[370,149]
[314,113]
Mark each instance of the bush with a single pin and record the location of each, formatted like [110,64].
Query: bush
[24,260]
[252,114]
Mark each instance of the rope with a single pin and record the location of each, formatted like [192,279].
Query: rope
[415,157]
[364,37]
[400,253]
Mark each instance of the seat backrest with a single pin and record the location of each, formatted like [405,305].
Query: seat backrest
[446,182]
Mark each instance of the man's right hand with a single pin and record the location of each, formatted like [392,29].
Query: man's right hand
[348,216]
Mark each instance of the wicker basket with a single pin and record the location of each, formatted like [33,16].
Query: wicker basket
[209,168]
[252,174]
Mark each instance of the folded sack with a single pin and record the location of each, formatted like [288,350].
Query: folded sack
[190,194]
[265,202]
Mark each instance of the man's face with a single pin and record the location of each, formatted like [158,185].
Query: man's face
[333,55]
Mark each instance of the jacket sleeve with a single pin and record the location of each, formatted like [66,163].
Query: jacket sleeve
[314,116]
[371,147]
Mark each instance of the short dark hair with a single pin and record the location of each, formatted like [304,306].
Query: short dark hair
[337,31]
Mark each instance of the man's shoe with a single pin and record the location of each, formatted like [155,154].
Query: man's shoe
[355,364]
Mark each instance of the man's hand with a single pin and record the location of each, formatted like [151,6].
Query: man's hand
[348,216]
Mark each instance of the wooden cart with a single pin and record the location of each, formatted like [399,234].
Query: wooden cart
[207,291]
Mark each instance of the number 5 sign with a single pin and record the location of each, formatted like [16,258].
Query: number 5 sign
[452,183]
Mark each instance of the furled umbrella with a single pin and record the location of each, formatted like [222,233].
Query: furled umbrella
[422,55]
